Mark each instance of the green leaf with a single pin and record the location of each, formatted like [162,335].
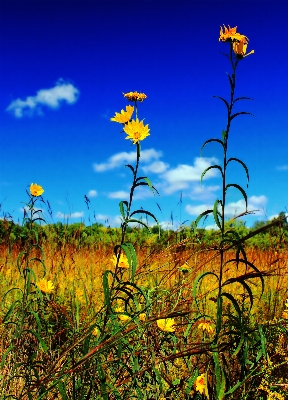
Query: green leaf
[41,341]
[225,101]
[200,217]
[62,390]
[239,113]
[152,188]
[132,258]
[196,284]
[243,164]
[5,354]
[190,382]
[247,276]
[209,141]
[216,214]
[234,301]
[158,378]
[211,167]
[263,341]
[240,189]
[106,288]
[137,221]
[219,315]
[121,207]
[144,212]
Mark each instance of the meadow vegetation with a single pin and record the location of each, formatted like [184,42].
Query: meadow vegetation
[138,312]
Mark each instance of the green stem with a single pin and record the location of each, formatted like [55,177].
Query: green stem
[233,84]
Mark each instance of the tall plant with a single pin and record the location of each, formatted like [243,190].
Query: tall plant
[233,338]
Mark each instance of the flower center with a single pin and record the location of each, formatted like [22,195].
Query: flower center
[137,135]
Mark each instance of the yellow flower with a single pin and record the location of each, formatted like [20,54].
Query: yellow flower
[45,286]
[142,317]
[125,116]
[230,35]
[136,130]
[206,327]
[285,314]
[135,96]
[240,48]
[122,317]
[200,383]
[95,331]
[123,261]
[166,325]
[36,190]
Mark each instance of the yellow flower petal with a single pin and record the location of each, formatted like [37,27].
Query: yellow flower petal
[124,116]
[200,383]
[205,326]
[142,317]
[123,261]
[240,48]
[230,35]
[166,324]
[36,190]
[95,331]
[136,130]
[45,286]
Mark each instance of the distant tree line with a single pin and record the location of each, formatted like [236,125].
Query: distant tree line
[78,234]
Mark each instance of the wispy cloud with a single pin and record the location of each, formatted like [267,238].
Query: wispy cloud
[92,193]
[157,167]
[51,98]
[282,168]
[276,216]
[255,203]
[77,214]
[107,219]
[121,194]
[120,159]
[203,193]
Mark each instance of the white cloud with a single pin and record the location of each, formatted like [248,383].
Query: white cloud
[210,227]
[181,176]
[276,216]
[254,203]
[51,98]
[120,159]
[77,214]
[203,192]
[92,193]
[282,168]
[121,194]
[112,221]
[197,210]
[157,167]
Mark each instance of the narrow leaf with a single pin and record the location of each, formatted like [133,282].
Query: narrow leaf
[216,214]
[242,163]
[130,166]
[209,141]
[211,167]
[239,113]
[240,189]
[242,98]
[225,101]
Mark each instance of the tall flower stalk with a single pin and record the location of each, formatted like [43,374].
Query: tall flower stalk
[230,342]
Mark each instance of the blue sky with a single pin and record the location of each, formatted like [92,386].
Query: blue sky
[63,68]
